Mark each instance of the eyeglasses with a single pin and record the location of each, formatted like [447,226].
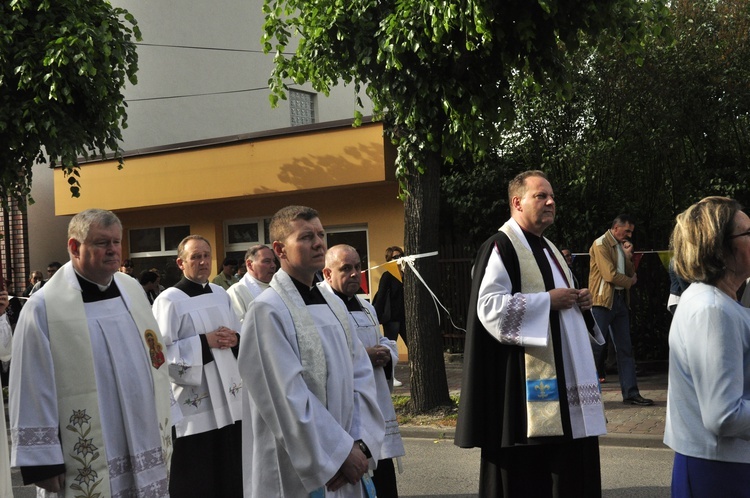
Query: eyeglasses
[396,256]
[743,234]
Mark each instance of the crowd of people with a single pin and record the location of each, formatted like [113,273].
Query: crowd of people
[278,381]
[120,387]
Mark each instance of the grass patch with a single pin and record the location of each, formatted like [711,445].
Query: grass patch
[442,416]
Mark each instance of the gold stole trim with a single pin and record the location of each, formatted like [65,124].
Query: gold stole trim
[543,417]
[81,436]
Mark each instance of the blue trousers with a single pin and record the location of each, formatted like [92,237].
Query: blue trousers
[699,478]
[618,318]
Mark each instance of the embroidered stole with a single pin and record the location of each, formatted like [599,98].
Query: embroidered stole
[542,393]
[78,402]
[312,356]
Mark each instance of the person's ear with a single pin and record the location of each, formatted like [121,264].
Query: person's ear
[279,249]
[74,247]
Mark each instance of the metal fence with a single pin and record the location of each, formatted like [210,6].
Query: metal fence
[649,318]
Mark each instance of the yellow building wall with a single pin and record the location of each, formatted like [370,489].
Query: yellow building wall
[296,162]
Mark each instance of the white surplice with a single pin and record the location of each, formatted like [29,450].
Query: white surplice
[208,395]
[243,292]
[125,395]
[294,444]
[6,341]
[368,331]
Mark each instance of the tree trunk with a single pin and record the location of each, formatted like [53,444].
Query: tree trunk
[429,385]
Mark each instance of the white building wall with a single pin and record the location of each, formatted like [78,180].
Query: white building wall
[48,234]
[202,74]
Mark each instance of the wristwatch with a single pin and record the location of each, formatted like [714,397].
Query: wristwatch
[364,448]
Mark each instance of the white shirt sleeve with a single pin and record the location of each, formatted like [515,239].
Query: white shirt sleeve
[513,319]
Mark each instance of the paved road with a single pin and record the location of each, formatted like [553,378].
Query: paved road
[437,468]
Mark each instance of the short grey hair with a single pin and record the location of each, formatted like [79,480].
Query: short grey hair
[517,186]
[80,224]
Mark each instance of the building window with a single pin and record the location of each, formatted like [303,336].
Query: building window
[302,105]
[156,248]
[239,235]
[156,241]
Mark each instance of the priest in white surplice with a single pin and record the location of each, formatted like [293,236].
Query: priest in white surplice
[89,391]
[200,331]
[530,397]
[315,426]
[343,273]
[261,265]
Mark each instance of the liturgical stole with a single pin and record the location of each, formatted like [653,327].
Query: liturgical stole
[542,390]
[312,356]
[78,402]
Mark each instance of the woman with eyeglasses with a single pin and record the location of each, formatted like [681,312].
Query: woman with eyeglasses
[708,407]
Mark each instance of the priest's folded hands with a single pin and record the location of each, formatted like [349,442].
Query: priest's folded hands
[222,338]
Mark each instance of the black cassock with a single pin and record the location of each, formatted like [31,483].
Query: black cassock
[492,411]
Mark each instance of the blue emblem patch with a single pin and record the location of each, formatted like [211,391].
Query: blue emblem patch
[542,390]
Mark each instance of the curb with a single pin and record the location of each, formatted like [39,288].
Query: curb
[427,432]
[650,441]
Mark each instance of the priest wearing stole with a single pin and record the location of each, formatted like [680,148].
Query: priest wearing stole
[530,396]
[314,423]
[89,405]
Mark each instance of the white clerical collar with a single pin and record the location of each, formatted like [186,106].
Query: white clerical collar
[102,288]
[259,282]
[197,283]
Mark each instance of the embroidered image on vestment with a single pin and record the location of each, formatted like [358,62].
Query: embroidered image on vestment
[85,452]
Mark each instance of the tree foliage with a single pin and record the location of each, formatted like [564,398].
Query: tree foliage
[647,132]
[440,74]
[63,65]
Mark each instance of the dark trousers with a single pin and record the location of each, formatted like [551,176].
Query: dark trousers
[208,464]
[393,329]
[561,470]
[618,318]
[384,479]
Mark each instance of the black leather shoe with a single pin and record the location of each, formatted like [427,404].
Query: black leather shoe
[638,400]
